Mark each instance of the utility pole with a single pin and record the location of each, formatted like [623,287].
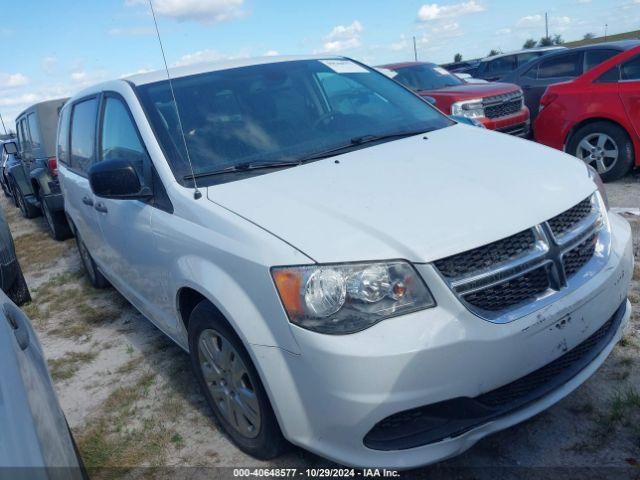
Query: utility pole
[415,49]
[546,24]
[5,128]
[605,31]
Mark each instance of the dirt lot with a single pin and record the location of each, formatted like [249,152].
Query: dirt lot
[131,401]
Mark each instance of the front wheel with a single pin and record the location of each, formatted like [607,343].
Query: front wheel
[231,385]
[606,147]
[19,291]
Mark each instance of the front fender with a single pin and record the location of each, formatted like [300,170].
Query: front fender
[253,309]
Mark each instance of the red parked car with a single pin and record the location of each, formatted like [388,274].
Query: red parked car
[596,117]
[497,106]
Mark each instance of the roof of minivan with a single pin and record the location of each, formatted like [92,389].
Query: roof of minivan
[528,50]
[178,72]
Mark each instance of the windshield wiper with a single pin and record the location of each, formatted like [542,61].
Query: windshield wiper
[243,167]
[362,140]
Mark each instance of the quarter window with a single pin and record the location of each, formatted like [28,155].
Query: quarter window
[630,70]
[561,66]
[83,128]
[34,131]
[502,65]
[593,58]
[119,138]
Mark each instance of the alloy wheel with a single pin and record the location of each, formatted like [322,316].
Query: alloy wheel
[598,150]
[229,383]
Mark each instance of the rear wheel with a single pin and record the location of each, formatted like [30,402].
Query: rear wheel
[606,147]
[57,221]
[96,278]
[231,385]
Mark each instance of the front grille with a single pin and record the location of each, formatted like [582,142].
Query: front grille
[569,219]
[503,109]
[512,292]
[514,273]
[486,256]
[577,258]
[450,418]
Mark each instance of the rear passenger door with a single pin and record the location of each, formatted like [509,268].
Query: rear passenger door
[76,153]
[629,88]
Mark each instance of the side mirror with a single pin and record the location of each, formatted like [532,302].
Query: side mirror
[117,179]
[10,148]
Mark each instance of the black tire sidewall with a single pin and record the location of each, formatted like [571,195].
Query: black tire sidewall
[269,443]
[97,280]
[625,160]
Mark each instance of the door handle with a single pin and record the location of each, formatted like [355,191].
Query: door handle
[87,201]
[101,207]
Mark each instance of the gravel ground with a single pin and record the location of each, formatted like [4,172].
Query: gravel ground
[131,400]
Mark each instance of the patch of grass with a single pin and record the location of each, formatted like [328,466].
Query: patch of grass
[634,297]
[36,249]
[624,405]
[177,440]
[636,271]
[66,366]
[130,349]
[121,437]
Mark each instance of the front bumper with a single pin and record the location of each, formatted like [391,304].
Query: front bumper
[511,123]
[328,398]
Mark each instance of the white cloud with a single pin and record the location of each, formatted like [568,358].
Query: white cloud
[503,31]
[435,11]
[271,53]
[203,11]
[537,20]
[583,1]
[13,80]
[80,76]
[207,55]
[343,37]
[402,44]
[130,32]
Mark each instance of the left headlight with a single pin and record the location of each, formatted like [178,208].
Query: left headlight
[468,108]
[347,298]
[595,176]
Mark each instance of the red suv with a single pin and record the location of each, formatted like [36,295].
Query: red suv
[498,106]
[596,117]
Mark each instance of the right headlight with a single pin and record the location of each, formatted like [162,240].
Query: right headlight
[468,108]
[347,298]
[595,176]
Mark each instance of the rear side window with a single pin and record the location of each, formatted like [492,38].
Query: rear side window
[526,57]
[561,66]
[119,137]
[33,130]
[630,70]
[83,133]
[63,137]
[23,134]
[593,58]
[502,65]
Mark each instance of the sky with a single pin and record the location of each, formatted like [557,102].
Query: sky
[54,48]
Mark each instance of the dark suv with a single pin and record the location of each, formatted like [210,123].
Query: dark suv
[34,180]
[12,280]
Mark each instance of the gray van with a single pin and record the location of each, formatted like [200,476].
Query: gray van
[34,180]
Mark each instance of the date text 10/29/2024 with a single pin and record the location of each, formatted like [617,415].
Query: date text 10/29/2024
[315,473]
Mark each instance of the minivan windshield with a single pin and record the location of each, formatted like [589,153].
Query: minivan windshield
[426,76]
[277,113]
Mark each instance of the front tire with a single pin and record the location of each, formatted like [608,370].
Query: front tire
[19,291]
[96,278]
[27,210]
[231,384]
[606,147]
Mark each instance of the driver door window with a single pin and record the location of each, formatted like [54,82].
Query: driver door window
[119,137]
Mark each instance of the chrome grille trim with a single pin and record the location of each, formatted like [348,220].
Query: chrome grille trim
[548,251]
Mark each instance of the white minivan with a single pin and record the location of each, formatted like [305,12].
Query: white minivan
[350,270]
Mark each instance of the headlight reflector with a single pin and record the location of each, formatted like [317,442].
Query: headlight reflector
[346,298]
[468,108]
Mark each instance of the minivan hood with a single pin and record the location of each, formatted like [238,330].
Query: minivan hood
[420,198]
